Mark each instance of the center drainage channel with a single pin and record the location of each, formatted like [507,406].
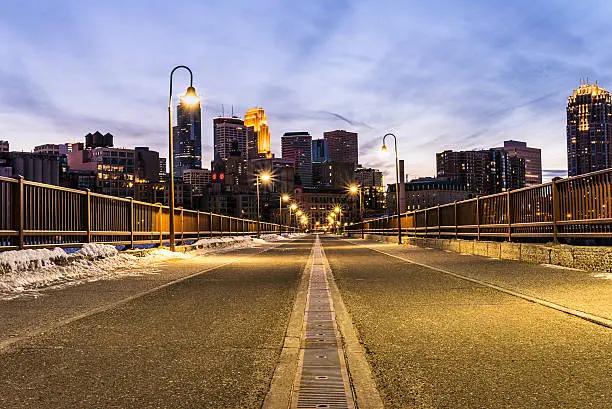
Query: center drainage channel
[323,380]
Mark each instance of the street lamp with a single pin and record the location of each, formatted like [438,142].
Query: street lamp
[293,207]
[338,211]
[264,177]
[353,189]
[281,199]
[397,191]
[190,98]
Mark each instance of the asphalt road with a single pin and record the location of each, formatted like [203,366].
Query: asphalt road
[209,341]
[213,339]
[434,340]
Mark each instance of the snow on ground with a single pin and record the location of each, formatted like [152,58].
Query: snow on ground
[605,276]
[26,272]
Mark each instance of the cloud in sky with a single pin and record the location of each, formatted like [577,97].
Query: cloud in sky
[440,74]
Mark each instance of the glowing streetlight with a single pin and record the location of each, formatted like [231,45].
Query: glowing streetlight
[293,207]
[353,189]
[281,199]
[263,177]
[189,98]
[397,191]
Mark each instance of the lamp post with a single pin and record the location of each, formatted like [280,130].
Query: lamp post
[264,177]
[358,189]
[397,191]
[293,207]
[190,98]
[281,199]
[338,211]
[299,214]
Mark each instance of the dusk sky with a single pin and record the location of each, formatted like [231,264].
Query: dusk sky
[440,74]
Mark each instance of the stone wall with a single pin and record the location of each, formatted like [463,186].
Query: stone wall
[590,258]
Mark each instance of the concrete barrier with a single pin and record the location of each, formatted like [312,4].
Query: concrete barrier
[535,253]
[562,256]
[480,248]
[597,259]
[493,249]
[510,251]
[593,258]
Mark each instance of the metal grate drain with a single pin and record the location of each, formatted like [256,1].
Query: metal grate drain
[323,381]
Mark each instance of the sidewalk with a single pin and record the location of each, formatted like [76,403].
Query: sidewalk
[576,289]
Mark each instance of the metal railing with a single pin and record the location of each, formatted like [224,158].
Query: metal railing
[573,208]
[38,215]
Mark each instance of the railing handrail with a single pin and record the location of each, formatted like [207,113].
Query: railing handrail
[515,191]
[35,214]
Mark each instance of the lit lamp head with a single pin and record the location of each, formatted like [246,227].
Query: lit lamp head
[265,176]
[299,213]
[353,189]
[337,209]
[190,97]
[285,198]
[293,206]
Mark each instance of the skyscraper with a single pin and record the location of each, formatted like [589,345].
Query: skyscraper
[297,147]
[589,130]
[259,141]
[320,151]
[226,133]
[343,146]
[146,165]
[368,177]
[187,138]
[482,172]
[532,158]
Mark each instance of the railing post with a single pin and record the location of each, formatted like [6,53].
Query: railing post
[221,225]
[230,226]
[198,222]
[210,226]
[19,211]
[509,215]
[88,216]
[456,223]
[131,221]
[478,217]
[426,222]
[439,224]
[556,203]
[160,215]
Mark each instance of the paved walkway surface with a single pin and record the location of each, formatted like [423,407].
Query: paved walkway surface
[211,340]
[434,340]
[230,330]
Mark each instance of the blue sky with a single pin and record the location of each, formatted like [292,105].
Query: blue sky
[440,74]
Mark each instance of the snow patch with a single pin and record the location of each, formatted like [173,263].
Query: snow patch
[29,271]
[23,260]
[605,276]
[94,250]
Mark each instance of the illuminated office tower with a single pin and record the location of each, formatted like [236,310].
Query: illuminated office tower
[228,133]
[259,135]
[589,130]
[297,147]
[532,158]
[342,146]
[187,138]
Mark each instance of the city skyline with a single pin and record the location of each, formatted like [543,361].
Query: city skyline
[470,83]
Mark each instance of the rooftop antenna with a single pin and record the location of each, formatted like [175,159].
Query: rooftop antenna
[222,111]
[232,111]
